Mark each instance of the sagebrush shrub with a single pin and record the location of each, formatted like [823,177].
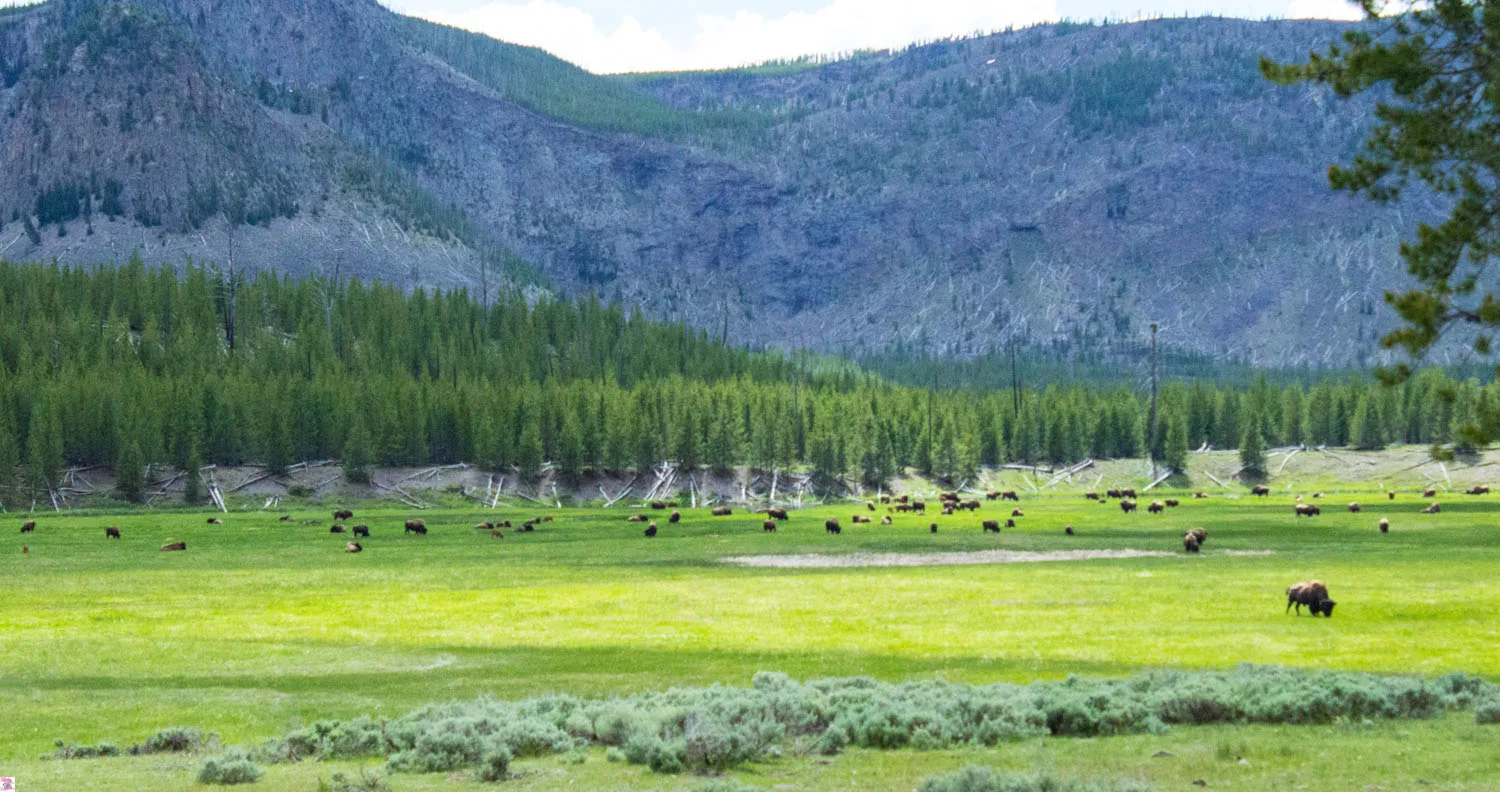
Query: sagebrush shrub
[229,768]
[983,779]
[176,739]
[1487,711]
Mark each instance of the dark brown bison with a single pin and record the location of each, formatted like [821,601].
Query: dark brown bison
[972,505]
[1200,535]
[1260,490]
[1115,493]
[658,506]
[1354,508]
[769,526]
[859,519]
[362,530]
[338,529]
[1314,595]
[1010,523]
[947,510]
[1308,510]
[675,518]
[832,526]
[1093,496]
[904,499]
[1385,525]
[1200,496]
[1128,493]
[992,526]
[902,508]
[1478,489]
[111,533]
[1156,507]
[948,496]
[418,527]
[215,521]
[1190,542]
[1172,503]
[722,511]
[994,496]
[1010,495]
[174,547]
[870,505]
[637,518]
[1017,513]
[485,526]
[1391,495]
[778,514]
[343,514]
[1127,506]
[651,531]
[286,518]
[354,547]
[28,527]
[1432,509]
[1069,531]
[1429,493]
[885,499]
[920,507]
[1317,495]
[503,524]
[932,528]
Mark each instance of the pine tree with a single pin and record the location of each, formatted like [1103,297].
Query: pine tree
[1364,427]
[529,447]
[1253,449]
[130,469]
[44,448]
[358,452]
[192,486]
[10,456]
[1174,441]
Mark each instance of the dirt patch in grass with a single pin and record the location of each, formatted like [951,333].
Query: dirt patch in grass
[831,561]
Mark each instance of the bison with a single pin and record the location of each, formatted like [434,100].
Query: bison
[992,526]
[1010,523]
[1432,509]
[1156,507]
[651,531]
[1478,489]
[1307,510]
[1200,496]
[286,518]
[1313,594]
[832,526]
[362,530]
[778,514]
[637,518]
[870,505]
[1115,493]
[886,520]
[1429,493]
[1128,493]
[675,518]
[920,507]
[343,514]
[354,547]
[215,521]
[658,506]
[1017,513]
[1127,506]
[859,519]
[993,496]
[932,528]
[1190,542]
[496,533]
[111,533]
[1069,531]
[1354,508]
[1172,503]
[885,499]
[1200,535]
[1260,490]
[1010,495]
[769,526]
[174,547]
[1391,494]
[1093,496]
[28,527]
[722,511]
[337,529]
[418,527]
[1385,525]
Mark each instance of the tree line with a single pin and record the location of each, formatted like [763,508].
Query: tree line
[138,368]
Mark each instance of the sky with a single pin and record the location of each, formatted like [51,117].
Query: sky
[609,36]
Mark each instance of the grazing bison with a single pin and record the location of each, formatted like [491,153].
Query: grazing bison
[1172,503]
[637,518]
[496,533]
[904,499]
[1354,508]
[920,507]
[1069,531]
[1308,510]
[354,547]
[676,517]
[769,526]
[548,518]
[28,527]
[1017,513]
[1429,493]
[111,533]
[1314,595]
[338,529]
[902,508]
[886,520]
[215,521]
[885,499]
[1093,496]
[1200,496]
[504,524]
[832,526]
[1432,509]
[343,514]
[485,526]
[174,547]
[992,526]
[1478,489]
[1199,534]
[972,505]
[286,518]
[1156,507]
[651,531]
[1127,506]
[658,506]
[1385,525]
[1190,542]
[947,510]
[1115,493]
[1010,495]
[1391,494]
[362,530]
[778,514]
[1317,495]
[870,505]
[994,496]
[1128,493]
[1010,523]
[527,527]
[722,511]
[1260,490]
[418,527]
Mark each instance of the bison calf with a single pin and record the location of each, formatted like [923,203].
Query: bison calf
[338,529]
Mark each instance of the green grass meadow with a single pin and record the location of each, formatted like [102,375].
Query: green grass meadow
[263,625]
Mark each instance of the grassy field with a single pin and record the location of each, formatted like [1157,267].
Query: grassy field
[263,625]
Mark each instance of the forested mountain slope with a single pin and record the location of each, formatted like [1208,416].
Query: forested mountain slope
[1064,185]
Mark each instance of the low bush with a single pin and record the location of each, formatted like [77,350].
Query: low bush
[367,781]
[67,750]
[495,766]
[983,779]
[176,739]
[230,768]
[1487,712]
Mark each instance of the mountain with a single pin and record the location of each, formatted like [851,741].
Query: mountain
[1062,185]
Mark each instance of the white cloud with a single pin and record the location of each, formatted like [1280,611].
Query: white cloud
[744,37]
[1324,9]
